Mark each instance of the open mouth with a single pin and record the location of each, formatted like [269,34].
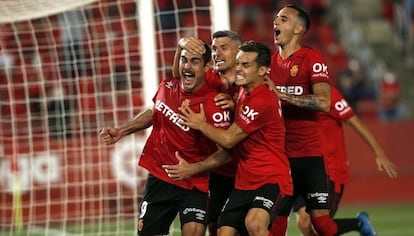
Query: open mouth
[188,77]
[277,32]
[219,62]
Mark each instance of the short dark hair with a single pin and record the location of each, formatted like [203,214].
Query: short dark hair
[227,33]
[264,54]
[207,54]
[303,15]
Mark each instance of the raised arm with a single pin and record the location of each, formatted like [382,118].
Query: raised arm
[110,135]
[382,161]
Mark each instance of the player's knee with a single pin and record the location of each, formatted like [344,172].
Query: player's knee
[304,223]
[193,228]
[255,227]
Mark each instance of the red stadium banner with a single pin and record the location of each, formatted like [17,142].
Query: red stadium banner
[71,180]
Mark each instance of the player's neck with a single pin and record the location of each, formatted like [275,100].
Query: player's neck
[288,49]
[252,85]
[228,77]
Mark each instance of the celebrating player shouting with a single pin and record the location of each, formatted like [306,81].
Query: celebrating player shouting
[257,136]
[164,197]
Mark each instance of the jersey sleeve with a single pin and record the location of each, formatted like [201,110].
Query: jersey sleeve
[318,68]
[339,106]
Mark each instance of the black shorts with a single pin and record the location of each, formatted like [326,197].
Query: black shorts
[309,182]
[240,202]
[220,189]
[334,200]
[298,203]
[163,201]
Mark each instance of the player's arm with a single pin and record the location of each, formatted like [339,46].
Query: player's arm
[110,135]
[382,161]
[191,44]
[184,170]
[225,138]
[320,100]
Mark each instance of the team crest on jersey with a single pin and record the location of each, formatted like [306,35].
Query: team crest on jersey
[140,224]
[294,70]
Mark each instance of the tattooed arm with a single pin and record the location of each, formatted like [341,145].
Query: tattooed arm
[320,100]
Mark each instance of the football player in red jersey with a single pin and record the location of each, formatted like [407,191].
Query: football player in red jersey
[225,46]
[336,161]
[303,84]
[164,197]
[257,136]
[301,77]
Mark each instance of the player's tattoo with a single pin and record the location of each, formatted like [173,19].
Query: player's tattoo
[310,102]
[320,100]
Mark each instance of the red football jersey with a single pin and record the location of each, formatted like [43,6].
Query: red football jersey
[168,135]
[262,154]
[333,137]
[295,75]
[213,79]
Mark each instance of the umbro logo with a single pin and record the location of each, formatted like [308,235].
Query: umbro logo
[169,84]
[321,197]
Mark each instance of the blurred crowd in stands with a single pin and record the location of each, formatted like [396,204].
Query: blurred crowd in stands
[372,98]
[97,49]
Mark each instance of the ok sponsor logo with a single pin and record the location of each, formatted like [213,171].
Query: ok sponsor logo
[320,68]
[219,117]
[248,114]
[342,106]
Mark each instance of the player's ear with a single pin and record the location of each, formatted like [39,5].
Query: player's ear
[262,71]
[300,29]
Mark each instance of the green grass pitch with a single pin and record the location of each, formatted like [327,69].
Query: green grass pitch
[388,220]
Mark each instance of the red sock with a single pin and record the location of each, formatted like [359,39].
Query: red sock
[324,225]
[279,226]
